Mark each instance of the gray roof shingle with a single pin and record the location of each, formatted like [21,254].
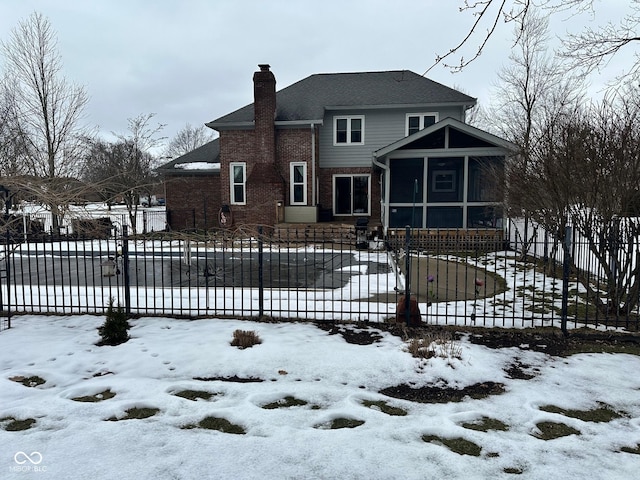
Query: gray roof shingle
[207,153]
[307,99]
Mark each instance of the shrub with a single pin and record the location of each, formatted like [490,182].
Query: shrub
[115,329]
[245,339]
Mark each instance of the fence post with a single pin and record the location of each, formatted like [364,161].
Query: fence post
[566,262]
[407,283]
[125,269]
[260,275]
[7,253]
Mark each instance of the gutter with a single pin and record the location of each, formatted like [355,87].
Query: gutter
[244,125]
[377,163]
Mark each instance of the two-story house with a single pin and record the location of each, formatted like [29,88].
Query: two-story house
[391,146]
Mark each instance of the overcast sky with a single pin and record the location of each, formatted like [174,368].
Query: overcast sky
[191,61]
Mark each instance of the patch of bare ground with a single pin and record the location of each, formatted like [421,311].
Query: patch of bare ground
[444,394]
[355,334]
[521,371]
[553,342]
[542,339]
[234,379]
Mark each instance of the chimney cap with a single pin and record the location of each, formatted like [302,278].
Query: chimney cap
[264,67]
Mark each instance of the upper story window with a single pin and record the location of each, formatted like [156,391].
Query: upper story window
[418,121]
[348,130]
[238,183]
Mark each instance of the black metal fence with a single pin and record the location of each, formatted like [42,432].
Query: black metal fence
[312,273]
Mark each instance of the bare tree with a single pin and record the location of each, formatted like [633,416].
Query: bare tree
[120,170]
[10,146]
[533,90]
[577,164]
[592,48]
[125,168]
[589,49]
[188,139]
[142,135]
[102,169]
[584,171]
[47,111]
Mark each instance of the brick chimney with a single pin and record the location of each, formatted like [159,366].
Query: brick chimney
[264,111]
[265,185]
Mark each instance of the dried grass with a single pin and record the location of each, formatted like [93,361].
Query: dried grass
[438,344]
[245,339]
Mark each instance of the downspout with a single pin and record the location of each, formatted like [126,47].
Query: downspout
[400,282]
[313,166]
[385,206]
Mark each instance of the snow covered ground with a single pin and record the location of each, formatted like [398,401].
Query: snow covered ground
[71,439]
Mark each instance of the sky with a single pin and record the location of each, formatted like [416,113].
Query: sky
[77,439]
[192,61]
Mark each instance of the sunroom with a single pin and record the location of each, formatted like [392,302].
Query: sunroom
[446,176]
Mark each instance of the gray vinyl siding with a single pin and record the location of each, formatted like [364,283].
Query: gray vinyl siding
[381,128]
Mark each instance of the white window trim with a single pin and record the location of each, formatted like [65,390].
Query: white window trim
[232,184]
[421,116]
[292,184]
[335,130]
[333,194]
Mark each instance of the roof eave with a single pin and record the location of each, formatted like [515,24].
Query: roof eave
[230,125]
[181,172]
[250,125]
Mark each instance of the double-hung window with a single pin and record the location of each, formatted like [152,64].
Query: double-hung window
[238,183]
[348,130]
[298,183]
[444,181]
[418,121]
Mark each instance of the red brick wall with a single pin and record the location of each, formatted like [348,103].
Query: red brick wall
[193,201]
[294,145]
[200,197]
[235,146]
[271,186]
